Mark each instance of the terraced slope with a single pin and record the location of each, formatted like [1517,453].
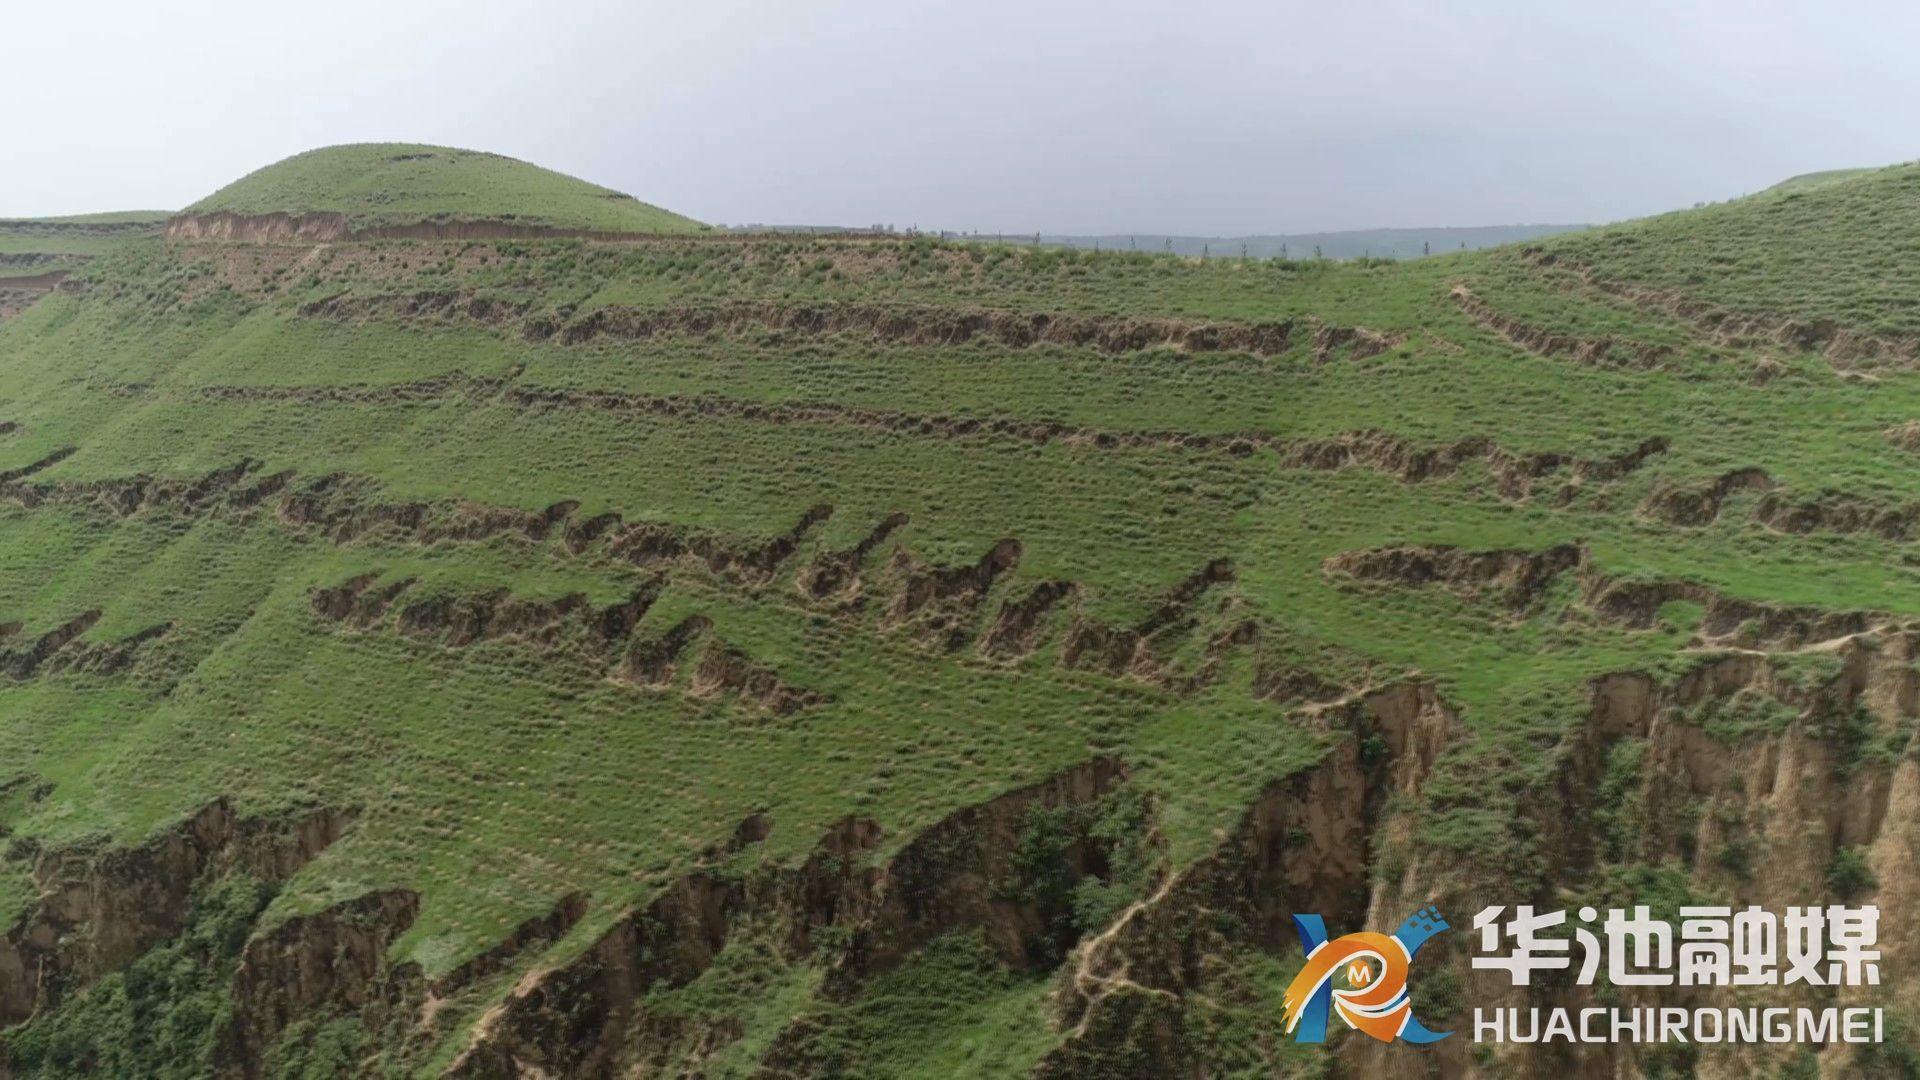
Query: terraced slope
[406,190]
[814,658]
[36,254]
[1773,270]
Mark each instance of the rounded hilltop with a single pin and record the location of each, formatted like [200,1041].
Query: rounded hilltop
[1818,179]
[410,190]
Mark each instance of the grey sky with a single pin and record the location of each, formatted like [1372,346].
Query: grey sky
[1108,116]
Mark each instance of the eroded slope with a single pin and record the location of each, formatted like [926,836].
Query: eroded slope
[793,657]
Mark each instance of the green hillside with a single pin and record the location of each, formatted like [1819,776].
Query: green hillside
[384,184]
[23,238]
[878,657]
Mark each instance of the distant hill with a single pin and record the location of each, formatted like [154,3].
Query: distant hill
[382,185]
[1815,179]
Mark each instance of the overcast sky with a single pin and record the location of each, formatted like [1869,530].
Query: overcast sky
[1108,116]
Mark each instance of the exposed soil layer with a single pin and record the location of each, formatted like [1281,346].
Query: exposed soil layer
[655,662]
[1726,621]
[941,603]
[329,962]
[532,934]
[18,293]
[345,509]
[1021,624]
[727,671]
[901,325]
[1305,845]
[60,649]
[311,228]
[356,602]
[1351,342]
[1518,579]
[1515,473]
[1842,346]
[100,906]
[884,324]
[8,476]
[1905,436]
[1514,579]
[1607,352]
[1698,503]
[585,1017]
[602,637]
[939,326]
[1180,645]
[1792,793]
[943,606]
[33,283]
[1136,650]
[1836,512]
[836,574]
[1830,770]
[430,392]
[649,543]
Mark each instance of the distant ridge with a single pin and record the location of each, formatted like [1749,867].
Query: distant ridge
[110,219]
[1346,244]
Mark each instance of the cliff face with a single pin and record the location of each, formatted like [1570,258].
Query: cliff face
[587,1017]
[1759,816]
[99,908]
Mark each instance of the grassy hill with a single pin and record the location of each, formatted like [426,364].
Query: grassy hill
[387,184]
[896,658]
[1815,179]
